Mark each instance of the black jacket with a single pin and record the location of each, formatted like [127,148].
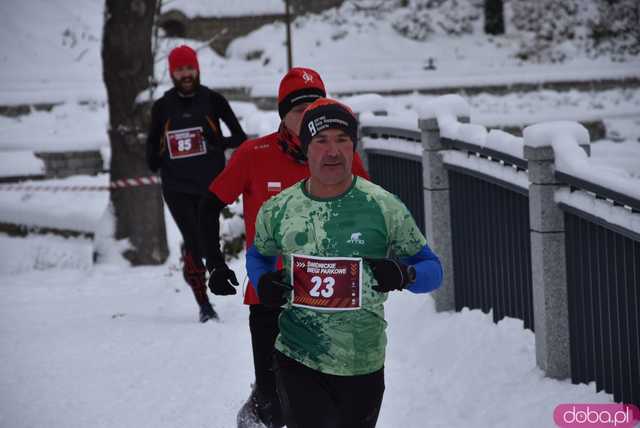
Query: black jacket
[185,141]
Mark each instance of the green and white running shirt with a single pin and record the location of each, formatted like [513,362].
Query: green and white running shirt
[365,221]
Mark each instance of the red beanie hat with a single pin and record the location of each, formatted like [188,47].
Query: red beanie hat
[326,113]
[299,85]
[182,56]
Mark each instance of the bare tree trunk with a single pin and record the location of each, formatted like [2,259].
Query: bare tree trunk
[127,71]
[493,17]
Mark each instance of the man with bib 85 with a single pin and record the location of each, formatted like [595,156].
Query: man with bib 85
[185,143]
[346,243]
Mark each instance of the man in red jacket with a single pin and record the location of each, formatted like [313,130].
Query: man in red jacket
[259,169]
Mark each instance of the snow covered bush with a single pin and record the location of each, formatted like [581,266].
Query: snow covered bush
[357,13]
[421,18]
[554,30]
[548,30]
[232,233]
[616,29]
[551,29]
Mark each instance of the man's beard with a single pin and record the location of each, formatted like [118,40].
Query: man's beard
[180,84]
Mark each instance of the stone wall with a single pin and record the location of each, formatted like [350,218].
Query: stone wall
[220,31]
[300,7]
[64,164]
[223,30]
[18,110]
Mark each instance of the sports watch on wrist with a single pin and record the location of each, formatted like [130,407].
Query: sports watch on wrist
[411,272]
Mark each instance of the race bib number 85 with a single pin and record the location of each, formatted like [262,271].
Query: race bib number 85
[330,283]
[184,143]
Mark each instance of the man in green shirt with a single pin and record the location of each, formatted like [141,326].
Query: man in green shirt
[345,243]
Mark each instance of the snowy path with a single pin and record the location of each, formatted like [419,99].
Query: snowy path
[115,346]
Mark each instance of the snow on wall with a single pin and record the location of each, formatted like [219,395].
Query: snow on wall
[80,211]
[624,156]
[524,117]
[493,169]
[394,145]
[445,107]
[566,138]
[583,201]
[368,119]
[448,108]
[20,163]
[504,142]
[67,127]
[366,103]
[447,112]
[558,134]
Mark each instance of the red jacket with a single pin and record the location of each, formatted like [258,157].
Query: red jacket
[258,170]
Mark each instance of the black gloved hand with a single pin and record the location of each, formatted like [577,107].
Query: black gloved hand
[221,280]
[391,274]
[272,289]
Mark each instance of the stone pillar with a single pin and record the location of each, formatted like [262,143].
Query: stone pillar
[548,265]
[437,210]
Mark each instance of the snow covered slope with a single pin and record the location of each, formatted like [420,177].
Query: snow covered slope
[51,53]
[120,347]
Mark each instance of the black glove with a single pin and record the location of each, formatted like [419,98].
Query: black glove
[272,289]
[221,280]
[391,274]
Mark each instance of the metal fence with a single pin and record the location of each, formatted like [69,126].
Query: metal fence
[400,176]
[603,285]
[398,173]
[489,223]
[491,235]
[491,250]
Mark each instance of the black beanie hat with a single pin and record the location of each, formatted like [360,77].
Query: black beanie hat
[326,113]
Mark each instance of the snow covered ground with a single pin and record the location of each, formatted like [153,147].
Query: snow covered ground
[115,346]
[108,345]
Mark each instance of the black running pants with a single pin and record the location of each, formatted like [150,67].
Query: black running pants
[263,323]
[184,210]
[312,399]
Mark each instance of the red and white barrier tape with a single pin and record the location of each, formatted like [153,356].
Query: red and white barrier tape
[135,182]
[118,184]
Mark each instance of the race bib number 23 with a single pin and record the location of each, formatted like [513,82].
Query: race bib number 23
[329,283]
